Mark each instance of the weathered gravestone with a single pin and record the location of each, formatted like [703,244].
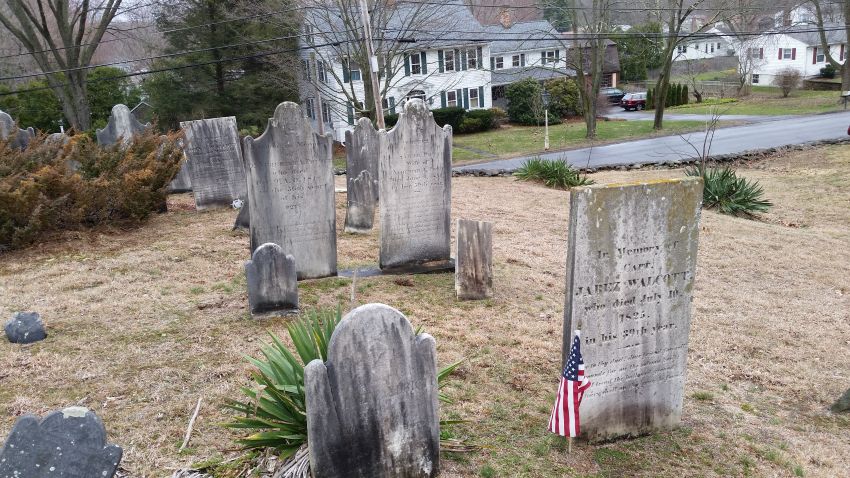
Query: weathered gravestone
[631,262]
[122,126]
[372,409]
[361,157]
[25,328]
[842,404]
[291,191]
[69,443]
[214,162]
[415,191]
[474,265]
[182,182]
[20,138]
[272,286]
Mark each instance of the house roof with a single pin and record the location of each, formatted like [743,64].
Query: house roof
[835,34]
[539,73]
[516,37]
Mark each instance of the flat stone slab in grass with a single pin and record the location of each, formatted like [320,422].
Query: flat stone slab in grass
[361,156]
[631,263]
[415,190]
[122,126]
[25,328]
[372,409]
[272,285]
[474,269]
[214,163]
[291,191]
[69,443]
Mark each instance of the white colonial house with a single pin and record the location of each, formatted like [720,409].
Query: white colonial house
[448,69]
[709,44]
[797,47]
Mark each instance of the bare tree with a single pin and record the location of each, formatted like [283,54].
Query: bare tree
[788,80]
[824,9]
[62,35]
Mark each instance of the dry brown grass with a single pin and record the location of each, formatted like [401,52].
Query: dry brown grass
[144,321]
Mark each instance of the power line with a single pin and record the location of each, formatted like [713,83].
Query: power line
[510,6]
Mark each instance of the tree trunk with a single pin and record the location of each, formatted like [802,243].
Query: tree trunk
[662,85]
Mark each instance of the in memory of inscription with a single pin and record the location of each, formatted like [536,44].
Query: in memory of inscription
[214,162]
[291,191]
[630,275]
[415,191]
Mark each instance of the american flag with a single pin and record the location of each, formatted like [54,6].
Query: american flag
[564,420]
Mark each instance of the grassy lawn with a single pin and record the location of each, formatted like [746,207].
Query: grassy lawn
[142,322]
[518,140]
[767,100]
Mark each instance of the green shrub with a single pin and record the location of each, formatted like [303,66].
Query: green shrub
[470,125]
[390,120]
[828,71]
[554,174]
[650,99]
[725,191]
[452,115]
[477,120]
[41,193]
[499,116]
[525,105]
[684,100]
[563,98]
[276,406]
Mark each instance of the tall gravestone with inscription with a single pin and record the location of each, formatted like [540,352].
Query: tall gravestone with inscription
[291,191]
[122,126]
[214,161]
[415,191]
[630,275]
[361,156]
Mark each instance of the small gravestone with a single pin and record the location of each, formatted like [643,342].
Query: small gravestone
[843,403]
[243,220]
[18,138]
[474,265]
[69,443]
[361,156]
[25,328]
[372,409]
[291,191]
[272,286]
[631,262]
[415,191]
[7,125]
[122,126]
[182,182]
[58,138]
[214,162]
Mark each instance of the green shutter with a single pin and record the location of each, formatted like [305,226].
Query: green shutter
[346,72]
[406,64]
[424,63]
[492,64]
[522,59]
[457,60]
[459,98]
[463,60]
[350,113]
[542,57]
[440,61]
[392,104]
[466,98]
[443,99]
[557,55]
[480,63]
[481,97]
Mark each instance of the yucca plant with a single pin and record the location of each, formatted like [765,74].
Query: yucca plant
[729,194]
[276,409]
[552,173]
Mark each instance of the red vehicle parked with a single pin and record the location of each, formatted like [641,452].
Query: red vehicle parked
[634,101]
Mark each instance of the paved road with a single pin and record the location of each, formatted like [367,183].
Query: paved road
[734,139]
[648,116]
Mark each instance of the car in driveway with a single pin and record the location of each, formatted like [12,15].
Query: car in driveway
[634,101]
[613,95]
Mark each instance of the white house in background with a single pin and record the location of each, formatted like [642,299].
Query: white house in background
[709,44]
[798,47]
[443,70]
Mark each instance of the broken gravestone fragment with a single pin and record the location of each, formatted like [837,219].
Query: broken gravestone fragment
[843,403]
[361,155]
[474,268]
[25,328]
[68,443]
[372,408]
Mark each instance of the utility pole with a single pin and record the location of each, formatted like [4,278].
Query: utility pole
[372,64]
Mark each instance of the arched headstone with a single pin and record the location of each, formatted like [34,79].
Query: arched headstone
[361,156]
[372,409]
[415,190]
[272,286]
[214,162]
[291,191]
[122,126]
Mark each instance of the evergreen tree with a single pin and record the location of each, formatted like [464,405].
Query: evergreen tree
[684,100]
[640,51]
[249,88]
[650,100]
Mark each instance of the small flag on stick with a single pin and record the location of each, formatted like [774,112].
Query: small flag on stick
[564,420]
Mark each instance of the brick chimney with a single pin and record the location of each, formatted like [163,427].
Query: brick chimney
[506,18]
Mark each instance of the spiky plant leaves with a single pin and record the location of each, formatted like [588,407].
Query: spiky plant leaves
[552,173]
[729,194]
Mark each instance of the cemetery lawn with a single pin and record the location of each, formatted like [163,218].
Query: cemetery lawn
[767,100]
[511,140]
[142,322]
